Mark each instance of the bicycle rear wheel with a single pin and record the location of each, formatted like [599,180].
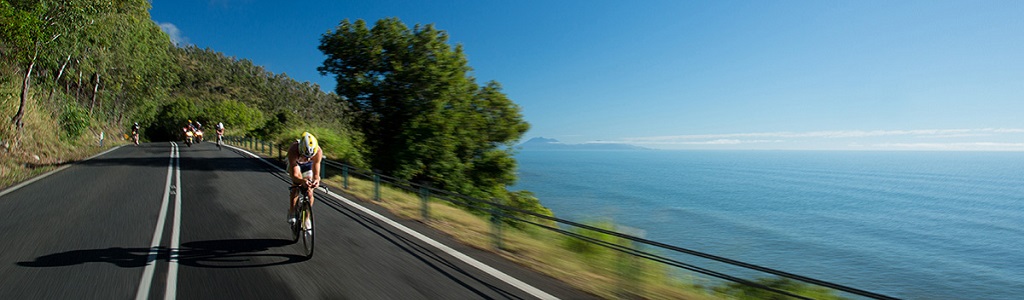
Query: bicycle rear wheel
[306,227]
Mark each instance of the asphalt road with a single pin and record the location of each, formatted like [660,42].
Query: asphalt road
[217,220]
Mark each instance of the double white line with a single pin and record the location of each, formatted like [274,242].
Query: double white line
[173,171]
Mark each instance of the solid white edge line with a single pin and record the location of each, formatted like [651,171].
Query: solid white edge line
[171,291]
[61,168]
[147,275]
[454,253]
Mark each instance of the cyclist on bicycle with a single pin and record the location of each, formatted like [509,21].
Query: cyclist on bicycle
[304,158]
[220,132]
[135,133]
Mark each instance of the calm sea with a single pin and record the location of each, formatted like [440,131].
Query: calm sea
[915,225]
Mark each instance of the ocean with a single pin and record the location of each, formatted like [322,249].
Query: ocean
[913,225]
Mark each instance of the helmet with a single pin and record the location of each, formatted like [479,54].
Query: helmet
[136,123]
[220,125]
[308,145]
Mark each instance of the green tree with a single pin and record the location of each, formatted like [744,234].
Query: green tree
[171,119]
[424,118]
[235,115]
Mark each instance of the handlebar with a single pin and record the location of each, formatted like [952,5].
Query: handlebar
[303,186]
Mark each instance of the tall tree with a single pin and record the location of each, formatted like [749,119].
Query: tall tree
[423,116]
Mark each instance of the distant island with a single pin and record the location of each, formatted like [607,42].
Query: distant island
[540,143]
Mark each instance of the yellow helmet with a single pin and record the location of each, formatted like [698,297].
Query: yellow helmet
[308,145]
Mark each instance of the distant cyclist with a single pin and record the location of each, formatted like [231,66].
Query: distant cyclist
[135,133]
[220,132]
[304,158]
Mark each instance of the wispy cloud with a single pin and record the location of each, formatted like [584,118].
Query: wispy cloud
[987,139]
[832,134]
[708,142]
[176,37]
[987,146]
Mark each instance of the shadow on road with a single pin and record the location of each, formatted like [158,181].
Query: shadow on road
[235,253]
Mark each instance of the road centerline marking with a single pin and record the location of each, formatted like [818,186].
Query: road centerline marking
[154,249]
[172,269]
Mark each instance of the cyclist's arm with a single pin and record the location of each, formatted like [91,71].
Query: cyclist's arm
[316,167]
[294,171]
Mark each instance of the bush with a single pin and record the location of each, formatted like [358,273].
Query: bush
[742,291]
[587,246]
[74,120]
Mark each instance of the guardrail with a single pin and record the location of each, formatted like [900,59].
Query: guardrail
[499,213]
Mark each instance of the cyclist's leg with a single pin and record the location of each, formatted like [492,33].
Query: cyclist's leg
[306,175]
[294,198]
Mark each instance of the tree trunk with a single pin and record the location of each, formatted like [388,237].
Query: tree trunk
[25,85]
[78,92]
[56,81]
[95,91]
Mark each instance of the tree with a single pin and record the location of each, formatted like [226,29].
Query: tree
[424,118]
[29,27]
[240,117]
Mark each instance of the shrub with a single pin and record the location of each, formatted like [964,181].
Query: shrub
[73,120]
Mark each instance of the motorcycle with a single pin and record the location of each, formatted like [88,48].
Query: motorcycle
[199,136]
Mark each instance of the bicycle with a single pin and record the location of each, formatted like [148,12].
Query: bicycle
[303,226]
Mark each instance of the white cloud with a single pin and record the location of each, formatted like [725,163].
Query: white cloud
[980,146]
[834,134]
[174,33]
[980,139]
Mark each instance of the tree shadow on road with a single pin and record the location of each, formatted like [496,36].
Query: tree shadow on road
[234,253]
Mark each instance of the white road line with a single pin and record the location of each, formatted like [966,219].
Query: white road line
[147,275]
[172,267]
[454,253]
[61,168]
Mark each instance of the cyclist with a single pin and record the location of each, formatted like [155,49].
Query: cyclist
[304,158]
[220,132]
[135,133]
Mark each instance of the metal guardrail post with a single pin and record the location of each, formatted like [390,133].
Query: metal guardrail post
[496,226]
[376,185]
[425,198]
[344,176]
[629,266]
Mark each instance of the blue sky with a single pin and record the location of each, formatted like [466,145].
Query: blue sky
[851,75]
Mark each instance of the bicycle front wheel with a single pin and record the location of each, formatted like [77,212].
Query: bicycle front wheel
[306,225]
